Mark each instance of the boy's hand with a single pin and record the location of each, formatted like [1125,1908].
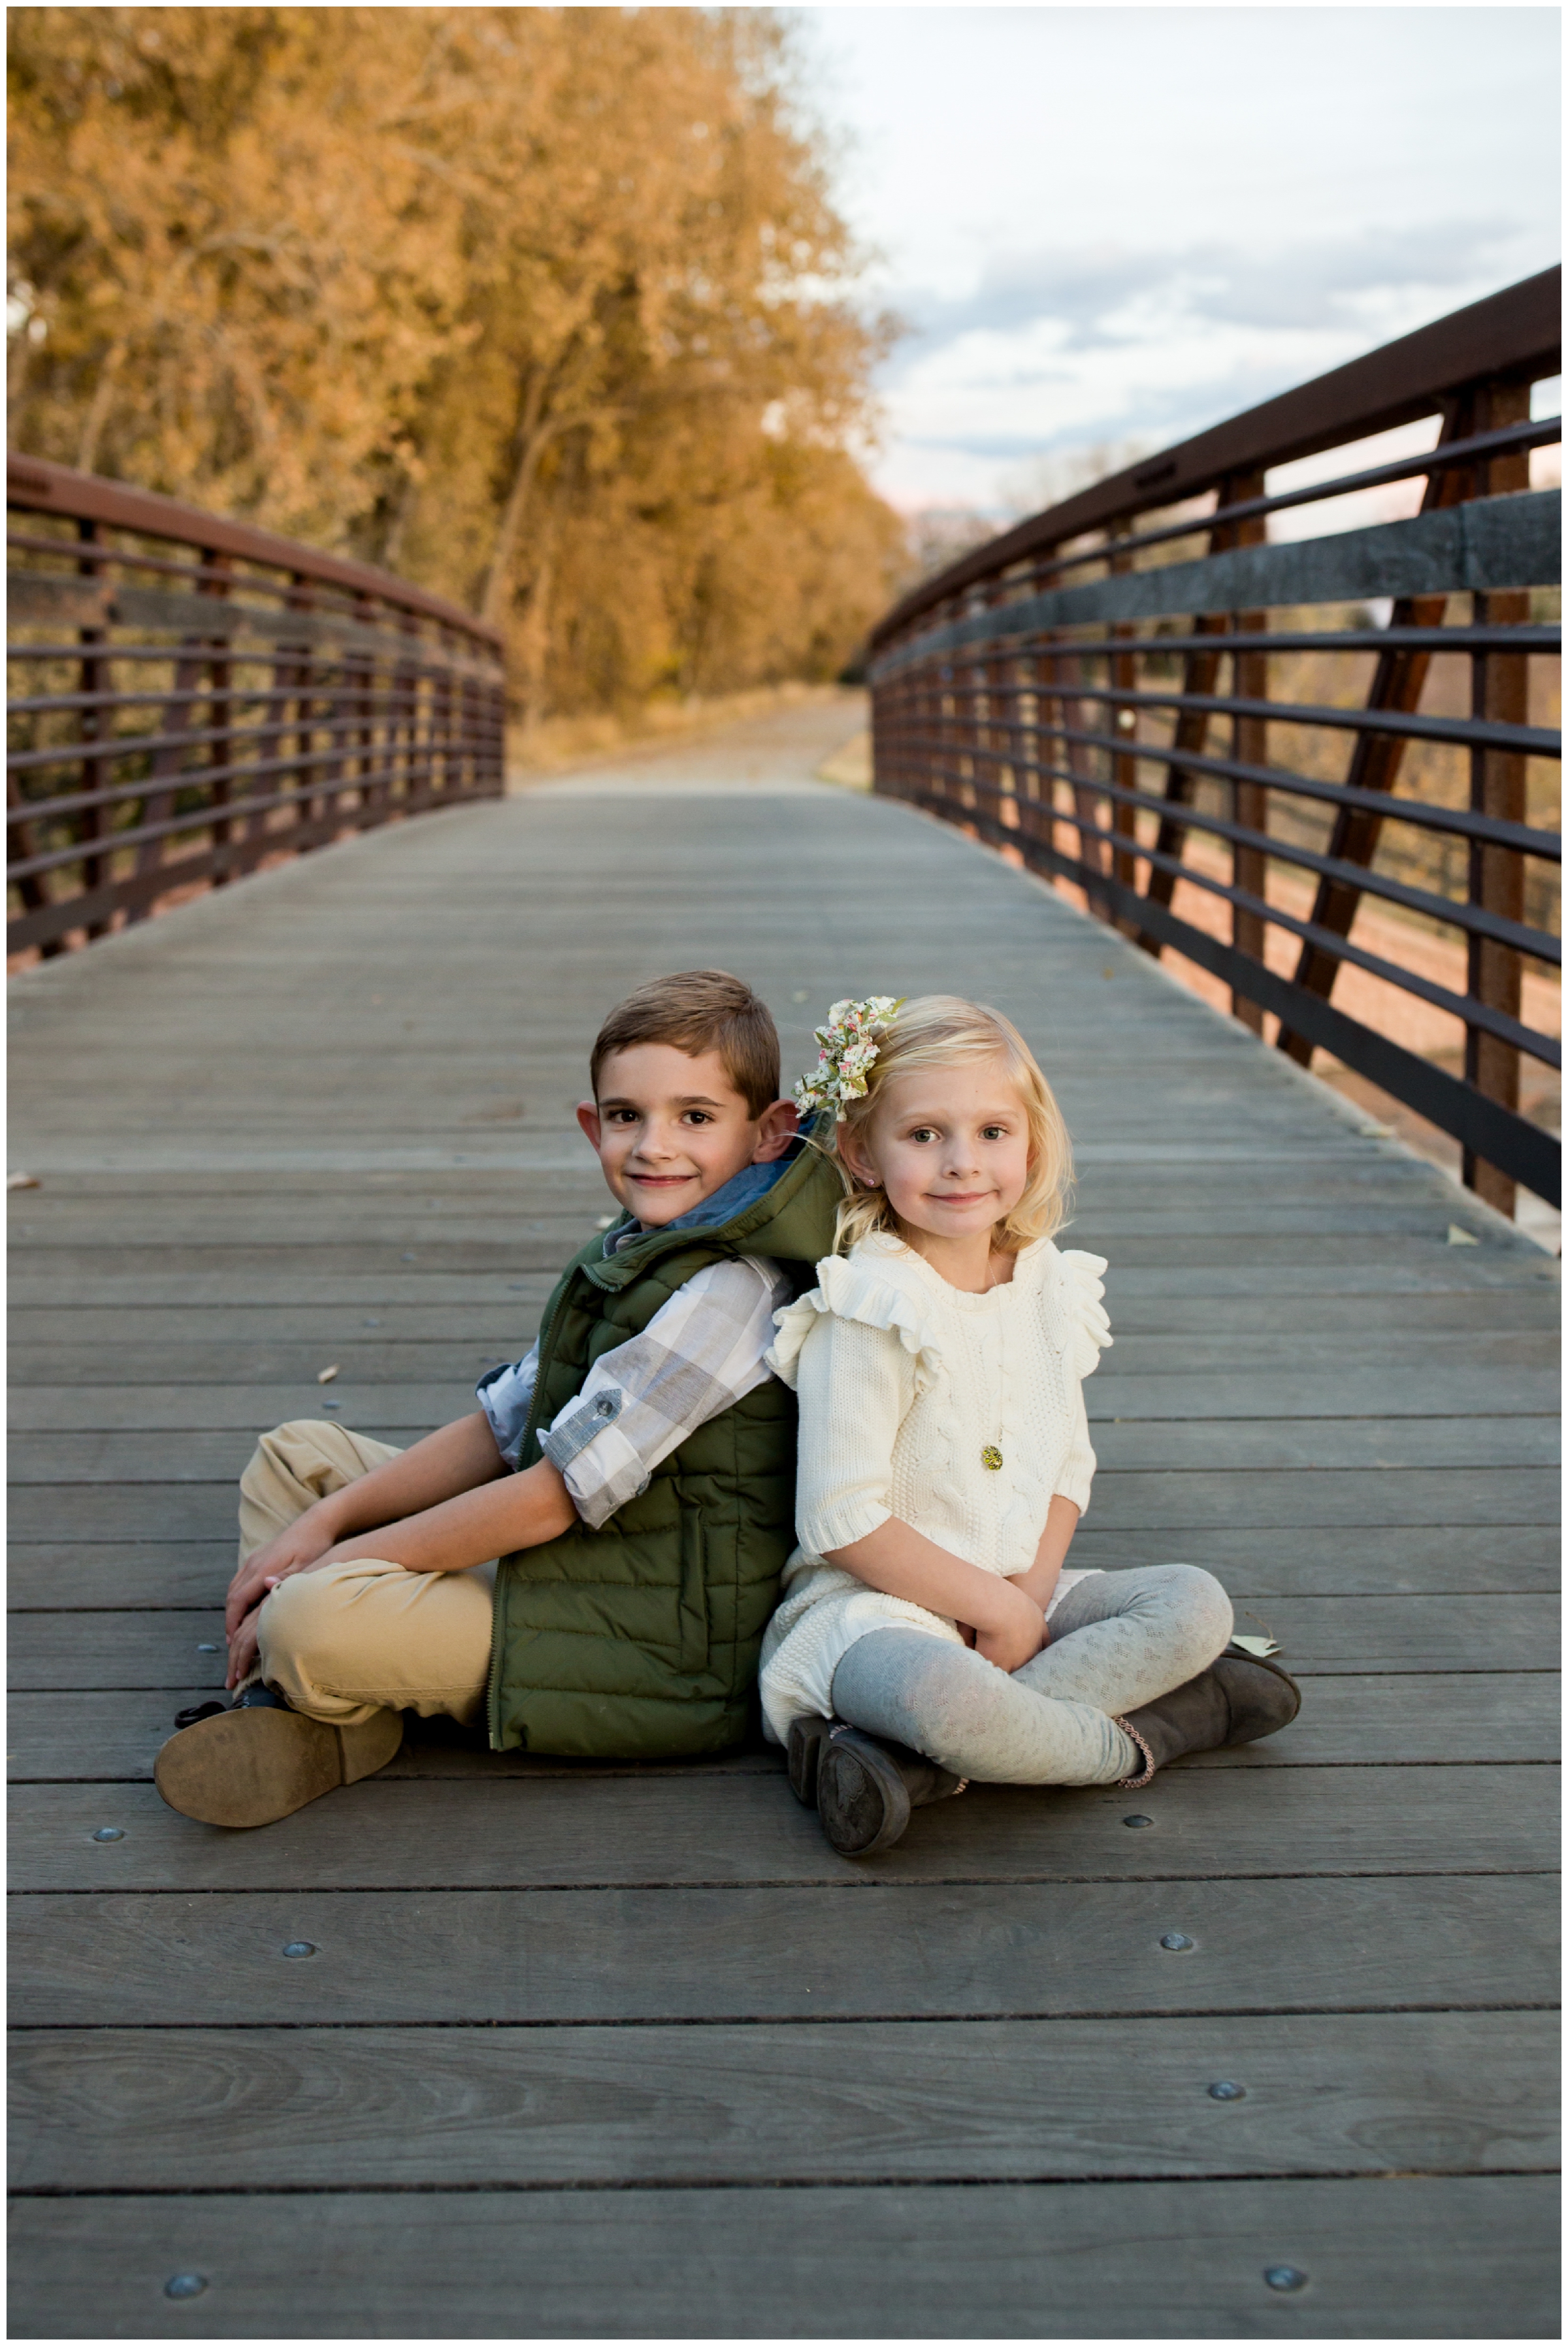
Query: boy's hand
[303,1543]
[1017,1631]
[244,1649]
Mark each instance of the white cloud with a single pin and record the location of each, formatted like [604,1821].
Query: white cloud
[1109,221]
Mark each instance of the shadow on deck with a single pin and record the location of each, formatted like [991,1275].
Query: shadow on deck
[561,2027]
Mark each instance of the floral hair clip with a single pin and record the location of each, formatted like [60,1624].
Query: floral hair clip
[849,1042]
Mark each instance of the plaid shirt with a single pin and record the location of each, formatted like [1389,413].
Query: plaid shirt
[700,1353]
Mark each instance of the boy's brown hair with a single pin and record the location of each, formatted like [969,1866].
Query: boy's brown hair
[699,1010]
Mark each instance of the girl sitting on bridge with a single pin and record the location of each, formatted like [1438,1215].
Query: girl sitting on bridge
[929,1635]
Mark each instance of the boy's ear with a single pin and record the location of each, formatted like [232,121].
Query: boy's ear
[777,1126]
[588,1117]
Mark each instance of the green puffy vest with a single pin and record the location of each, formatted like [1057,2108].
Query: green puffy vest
[639,1641]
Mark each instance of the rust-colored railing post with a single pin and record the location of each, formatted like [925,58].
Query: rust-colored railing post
[1249,747]
[1500,689]
[97,721]
[1121,724]
[219,716]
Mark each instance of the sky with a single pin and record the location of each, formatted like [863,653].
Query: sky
[1116,225]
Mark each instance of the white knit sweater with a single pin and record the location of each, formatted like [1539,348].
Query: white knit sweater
[961,1414]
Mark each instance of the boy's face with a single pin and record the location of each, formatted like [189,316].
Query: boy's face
[670,1130]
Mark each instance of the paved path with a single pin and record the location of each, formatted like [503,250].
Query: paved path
[560,2024]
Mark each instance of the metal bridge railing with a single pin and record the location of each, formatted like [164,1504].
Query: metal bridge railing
[1137,694]
[192,698]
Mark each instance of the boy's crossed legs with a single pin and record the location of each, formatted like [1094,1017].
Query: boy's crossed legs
[346,1640]
[348,1647]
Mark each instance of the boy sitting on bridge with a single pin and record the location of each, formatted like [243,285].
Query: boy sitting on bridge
[634,1472]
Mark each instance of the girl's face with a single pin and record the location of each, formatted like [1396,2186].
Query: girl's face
[949,1145]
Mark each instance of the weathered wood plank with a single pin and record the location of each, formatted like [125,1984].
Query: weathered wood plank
[504,1833]
[53,1575]
[1352,1500]
[1496,1373]
[73,1268]
[166,1432]
[1173,1336]
[1389,1721]
[1370,1560]
[1469,1559]
[336,2109]
[1429,2257]
[1494,1288]
[140,1647]
[1054,1950]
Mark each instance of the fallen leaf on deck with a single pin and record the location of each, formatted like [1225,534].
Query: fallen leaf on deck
[1258,1647]
[1456,1237]
[23,1181]
[325,1376]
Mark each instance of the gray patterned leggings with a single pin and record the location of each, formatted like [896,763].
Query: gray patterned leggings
[1117,1639]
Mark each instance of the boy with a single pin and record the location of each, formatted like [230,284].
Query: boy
[635,1471]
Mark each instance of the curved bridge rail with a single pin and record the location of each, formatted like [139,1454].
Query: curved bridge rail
[192,696]
[1058,693]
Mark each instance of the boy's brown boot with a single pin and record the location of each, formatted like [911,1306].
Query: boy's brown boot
[1237,1699]
[260,1761]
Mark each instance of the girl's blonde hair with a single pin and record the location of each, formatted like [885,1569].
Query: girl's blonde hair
[942,1030]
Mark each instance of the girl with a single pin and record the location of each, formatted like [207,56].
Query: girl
[928,1634]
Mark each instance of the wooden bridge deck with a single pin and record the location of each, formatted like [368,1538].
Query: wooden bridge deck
[563,2027]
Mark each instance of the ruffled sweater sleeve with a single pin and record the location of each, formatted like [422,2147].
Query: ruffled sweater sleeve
[1083,1288]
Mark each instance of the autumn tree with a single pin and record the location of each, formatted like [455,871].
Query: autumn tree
[549,308]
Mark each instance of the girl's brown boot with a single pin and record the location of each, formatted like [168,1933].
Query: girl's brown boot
[1237,1699]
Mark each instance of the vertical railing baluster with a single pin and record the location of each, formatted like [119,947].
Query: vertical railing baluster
[1500,691]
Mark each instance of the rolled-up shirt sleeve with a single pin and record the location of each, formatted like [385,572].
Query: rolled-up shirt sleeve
[856,1385]
[506,1395]
[699,1355]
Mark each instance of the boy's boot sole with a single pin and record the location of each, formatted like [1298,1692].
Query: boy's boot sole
[866,1790]
[251,1767]
[807,1739]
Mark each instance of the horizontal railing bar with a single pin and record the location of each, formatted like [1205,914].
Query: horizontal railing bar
[1469,732]
[1422,814]
[1461,638]
[96,553]
[229,810]
[302,763]
[1490,542]
[373,691]
[1471,918]
[320,675]
[1480,1014]
[1515,334]
[36,485]
[1496,1133]
[208,618]
[114,746]
[1539,434]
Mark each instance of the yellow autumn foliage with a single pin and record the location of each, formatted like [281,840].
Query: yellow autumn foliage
[549,309]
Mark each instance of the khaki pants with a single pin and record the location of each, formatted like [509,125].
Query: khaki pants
[342,1643]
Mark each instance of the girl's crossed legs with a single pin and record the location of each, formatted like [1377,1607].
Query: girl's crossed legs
[1118,1639]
